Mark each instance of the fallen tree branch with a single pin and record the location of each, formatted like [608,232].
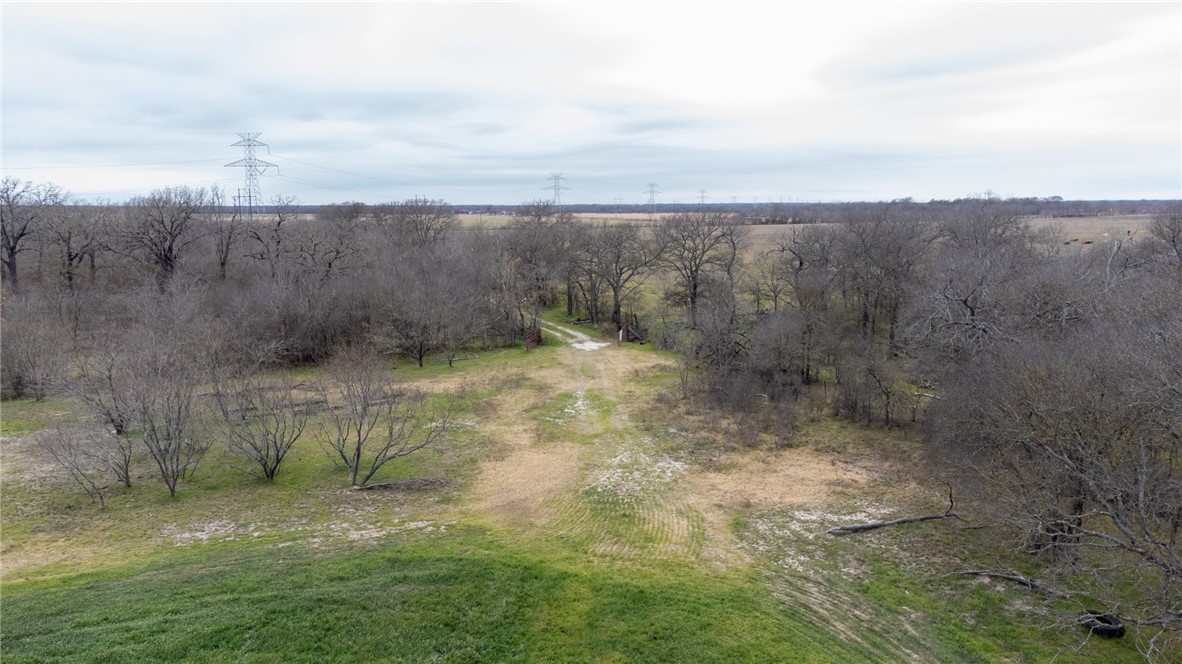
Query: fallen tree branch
[1012,577]
[412,484]
[874,525]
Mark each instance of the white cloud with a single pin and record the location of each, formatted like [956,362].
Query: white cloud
[480,102]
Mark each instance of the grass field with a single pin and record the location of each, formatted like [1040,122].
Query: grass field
[587,516]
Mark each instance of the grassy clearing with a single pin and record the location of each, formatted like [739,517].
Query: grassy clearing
[615,562]
[460,596]
[24,416]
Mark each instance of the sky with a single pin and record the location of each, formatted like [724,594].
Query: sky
[478,103]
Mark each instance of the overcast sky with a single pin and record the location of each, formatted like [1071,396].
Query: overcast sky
[481,103]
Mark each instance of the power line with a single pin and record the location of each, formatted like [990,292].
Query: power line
[336,170]
[336,187]
[652,200]
[253,167]
[557,187]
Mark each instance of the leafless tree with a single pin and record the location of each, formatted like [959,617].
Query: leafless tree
[807,267]
[1166,230]
[432,301]
[416,222]
[880,252]
[868,380]
[541,246]
[764,282]
[23,208]
[103,382]
[166,357]
[164,400]
[267,241]
[1076,443]
[622,256]
[159,227]
[262,421]
[34,348]
[78,452]
[333,244]
[226,228]
[371,421]
[77,232]
[698,244]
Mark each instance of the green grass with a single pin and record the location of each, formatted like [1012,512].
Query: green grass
[875,584]
[607,580]
[465,596]
[19,417]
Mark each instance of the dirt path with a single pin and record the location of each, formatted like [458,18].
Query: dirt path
[539,466]
[575,462]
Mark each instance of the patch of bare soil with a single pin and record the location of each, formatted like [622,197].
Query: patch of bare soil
[754,480]
[519,490]
[524,486]
[794,477]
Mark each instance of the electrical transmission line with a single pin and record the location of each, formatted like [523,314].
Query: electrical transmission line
[652,200]
[557,187]
[253,167]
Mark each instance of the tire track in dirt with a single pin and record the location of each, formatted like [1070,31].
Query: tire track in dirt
[615,493]
[547,484]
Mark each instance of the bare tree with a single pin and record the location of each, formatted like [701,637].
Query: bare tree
[160,226]
[1075,444]
[226,228]
[416,222]
[542,244]
[622,257]
[77,451]
[76,231]
[166,357]
[23,208]
[807,266]
[164,399]
[373,421]
[103,383]
[333,243]
[267,242]
[262,421]
[697,244]
[1166,230]
[880,250]
[35,346]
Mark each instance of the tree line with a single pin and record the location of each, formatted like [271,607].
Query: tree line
[1043,378]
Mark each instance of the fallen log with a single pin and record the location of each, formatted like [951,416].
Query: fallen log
[1012,577]
[412,484]
[874,525]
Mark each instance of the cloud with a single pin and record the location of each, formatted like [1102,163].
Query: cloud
[484,100]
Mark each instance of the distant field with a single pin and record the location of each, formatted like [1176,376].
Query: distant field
[1084,229]
[1081,228]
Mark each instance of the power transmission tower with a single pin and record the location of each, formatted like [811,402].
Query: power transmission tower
[250,193]
[702,197]
[557,187]
[652,200]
